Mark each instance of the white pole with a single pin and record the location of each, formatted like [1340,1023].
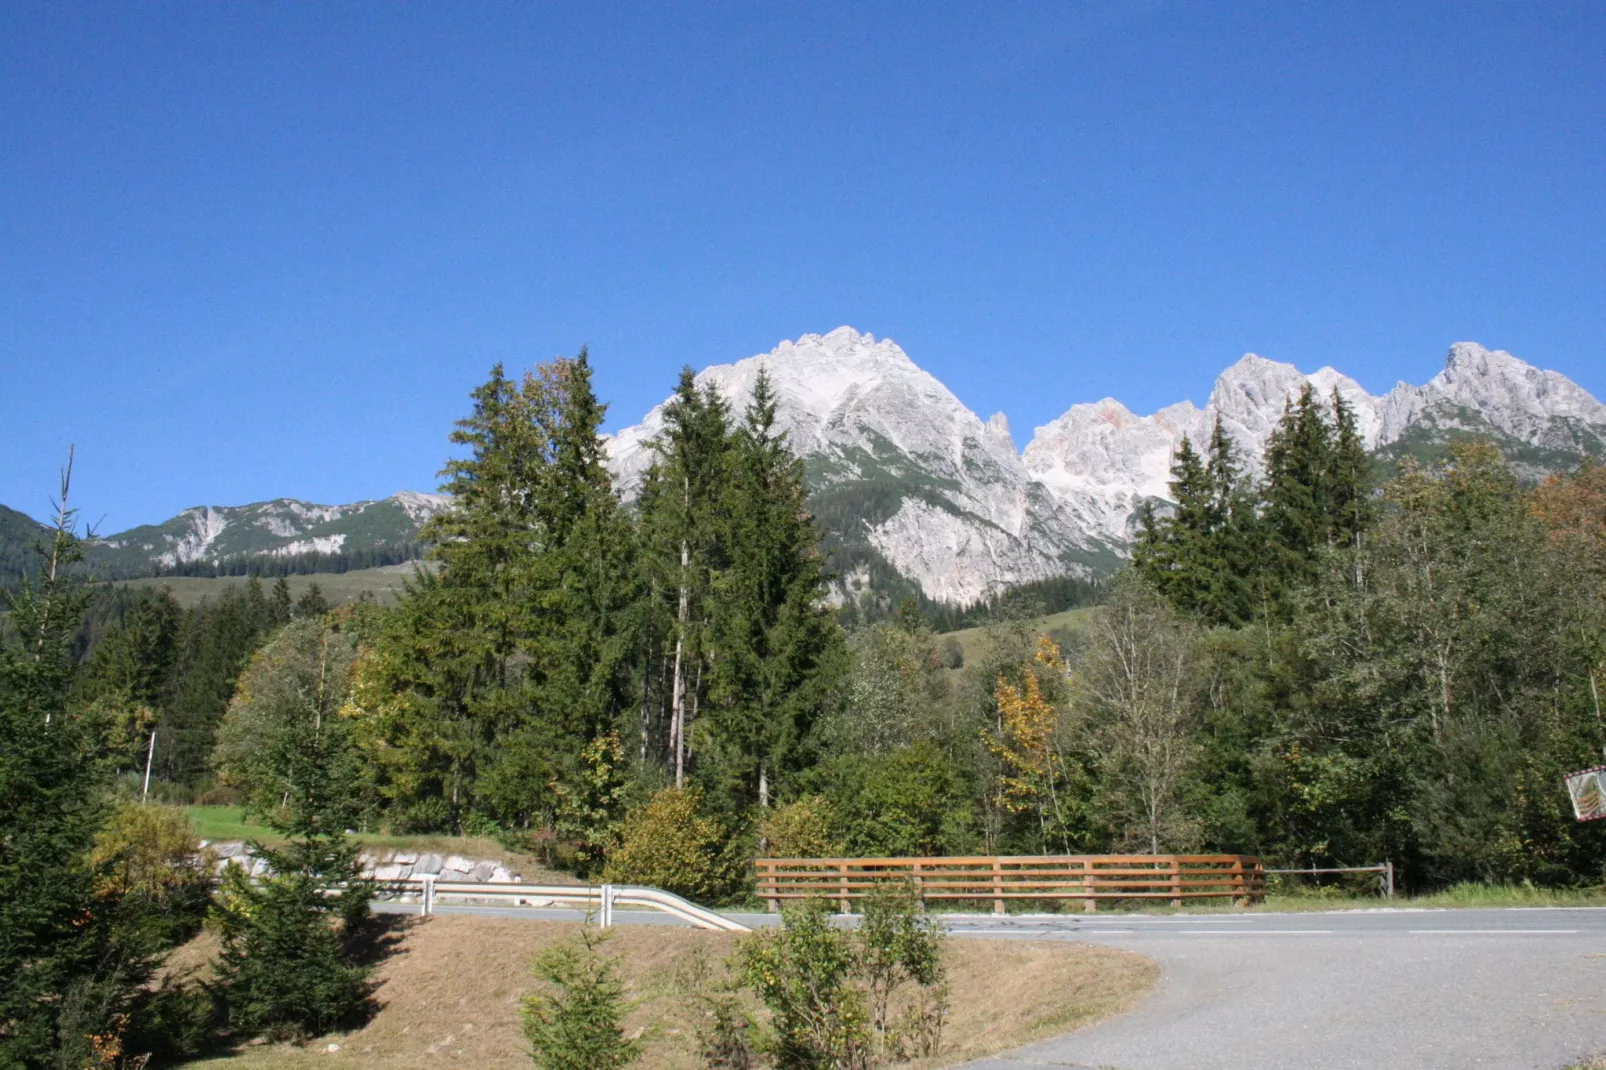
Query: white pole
[149,754]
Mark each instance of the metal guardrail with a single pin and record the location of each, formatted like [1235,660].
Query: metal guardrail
[1088,878]
[601,899]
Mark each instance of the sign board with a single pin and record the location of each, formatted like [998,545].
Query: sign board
[1588,789]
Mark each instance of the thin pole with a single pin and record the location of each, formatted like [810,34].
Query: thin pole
[149,754]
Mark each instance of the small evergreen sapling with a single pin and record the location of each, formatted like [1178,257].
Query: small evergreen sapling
[578,1025]
[288,969]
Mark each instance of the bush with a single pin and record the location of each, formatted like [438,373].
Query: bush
[725,1034]
[909,802]
[803,828]
[898,944]
[577,1026]
[840,1000]
[804,973]
[150,861]
[668,843]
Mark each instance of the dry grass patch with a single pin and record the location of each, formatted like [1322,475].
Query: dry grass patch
[450,996]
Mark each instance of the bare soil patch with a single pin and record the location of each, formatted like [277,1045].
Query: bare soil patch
[450,996]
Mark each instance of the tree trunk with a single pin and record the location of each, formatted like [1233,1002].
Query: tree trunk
[677,715]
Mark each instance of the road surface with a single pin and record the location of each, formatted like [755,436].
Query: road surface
[1521,989]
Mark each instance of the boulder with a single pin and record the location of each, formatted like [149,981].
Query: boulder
[428,863]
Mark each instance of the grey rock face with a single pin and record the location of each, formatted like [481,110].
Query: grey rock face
[958,510]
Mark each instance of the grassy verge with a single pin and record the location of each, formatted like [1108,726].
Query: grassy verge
[450,996]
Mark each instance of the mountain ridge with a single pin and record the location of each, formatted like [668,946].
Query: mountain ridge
[915,491]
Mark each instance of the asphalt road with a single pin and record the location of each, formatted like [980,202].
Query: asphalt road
[1417,990]
[1410,989]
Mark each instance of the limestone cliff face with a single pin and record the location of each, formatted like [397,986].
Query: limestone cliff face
[941,495]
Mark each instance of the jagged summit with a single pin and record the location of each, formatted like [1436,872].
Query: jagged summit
[948,501]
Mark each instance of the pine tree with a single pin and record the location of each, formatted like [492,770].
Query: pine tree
[1175,555]
[683,534]
[774,635]
[279,603]
[1295,511]
[68,980]
[584,578]
[311,604]
[288,968]
[1233,554]
[1351,509]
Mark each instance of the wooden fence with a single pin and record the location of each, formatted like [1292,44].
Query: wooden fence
[1089,878]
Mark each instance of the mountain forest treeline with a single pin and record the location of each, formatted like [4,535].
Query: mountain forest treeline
[1307,665]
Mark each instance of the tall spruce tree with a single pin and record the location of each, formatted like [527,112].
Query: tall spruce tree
[1233,534]
[69,981]
[1295,511]
[684,540]
[1351,509]
[773,633]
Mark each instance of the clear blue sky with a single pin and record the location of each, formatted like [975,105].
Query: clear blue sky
[251,250]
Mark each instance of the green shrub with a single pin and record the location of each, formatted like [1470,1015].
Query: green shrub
[577,1025]
[668,843]
[899,943]
[725,1031]
[804,972]
[803,828]
[149,859]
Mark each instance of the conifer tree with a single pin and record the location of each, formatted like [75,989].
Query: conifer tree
[773,633]
[1234,532]
[68,980]
[1295,513]
[1349,480]
[279,603]
[1177,555]
[684,541]
[288,967]
[312,604]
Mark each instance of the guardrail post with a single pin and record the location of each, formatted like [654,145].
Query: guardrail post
[1176,882]
[1090,901]
[998,887]
[1388,880]
[605,916]
[428,905]
[842,881]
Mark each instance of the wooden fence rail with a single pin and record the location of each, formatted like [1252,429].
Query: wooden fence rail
[1089,878]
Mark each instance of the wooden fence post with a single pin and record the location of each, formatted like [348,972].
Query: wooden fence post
[842,879]
[1176,882]
[1089,902]
[766,883]
[998,886]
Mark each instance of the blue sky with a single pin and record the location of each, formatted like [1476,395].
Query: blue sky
[261,250]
